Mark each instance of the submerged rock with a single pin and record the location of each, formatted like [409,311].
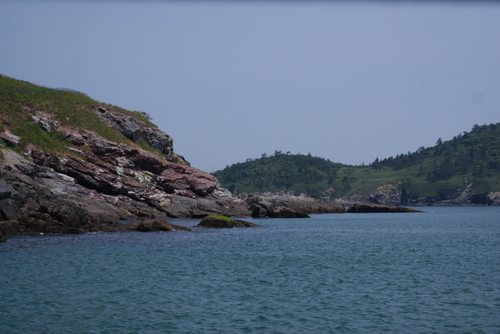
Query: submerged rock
[224,222]
[159,225]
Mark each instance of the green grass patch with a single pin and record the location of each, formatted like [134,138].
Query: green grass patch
[141,115]
[20,100]
[229,219]
[145,146]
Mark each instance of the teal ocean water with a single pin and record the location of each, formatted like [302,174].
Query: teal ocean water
[432,272]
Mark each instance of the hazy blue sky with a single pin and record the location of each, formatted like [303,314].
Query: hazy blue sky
[232,80]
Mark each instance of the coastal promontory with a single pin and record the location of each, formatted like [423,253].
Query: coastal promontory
[69,164]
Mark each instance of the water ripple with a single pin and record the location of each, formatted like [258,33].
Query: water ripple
[434,272]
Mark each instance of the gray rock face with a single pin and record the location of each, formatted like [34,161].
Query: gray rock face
[136,130]
[35,199]
[92,189]
[9,138]
[386,194]
[45,123]
[493,198]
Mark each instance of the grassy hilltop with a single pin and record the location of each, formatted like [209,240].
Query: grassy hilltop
[444,171]
[20,100]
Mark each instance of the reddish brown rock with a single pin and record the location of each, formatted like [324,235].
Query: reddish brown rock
[178,177]
[98,182]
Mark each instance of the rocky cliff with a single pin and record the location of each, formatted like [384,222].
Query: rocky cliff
[99,182]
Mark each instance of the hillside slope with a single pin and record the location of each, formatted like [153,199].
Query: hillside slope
[461,171]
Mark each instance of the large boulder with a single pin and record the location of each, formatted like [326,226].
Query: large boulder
[176,177]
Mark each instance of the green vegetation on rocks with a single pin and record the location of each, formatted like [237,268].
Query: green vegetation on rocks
[70,164]
[20,101]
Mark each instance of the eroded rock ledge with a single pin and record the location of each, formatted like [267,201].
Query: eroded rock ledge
[95,188]
[99,182]
[370,207]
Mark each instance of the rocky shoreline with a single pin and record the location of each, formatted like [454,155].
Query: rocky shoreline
[388,194]
[99,183]
[286,205]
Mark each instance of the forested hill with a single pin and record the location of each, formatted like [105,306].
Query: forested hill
[469,162]
[474,153]
[281,171]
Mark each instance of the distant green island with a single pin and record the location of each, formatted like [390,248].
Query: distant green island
[462,171]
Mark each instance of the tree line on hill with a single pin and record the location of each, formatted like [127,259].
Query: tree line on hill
[434,171]
[474,153]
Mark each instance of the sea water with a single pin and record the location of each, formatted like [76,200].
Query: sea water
[431,272]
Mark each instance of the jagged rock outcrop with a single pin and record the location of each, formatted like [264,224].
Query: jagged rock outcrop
[136,130]
[100,182]
[72,194]
[36,199]
[286,205]
[224,222]
[386,194]
[371,207]
[493,198]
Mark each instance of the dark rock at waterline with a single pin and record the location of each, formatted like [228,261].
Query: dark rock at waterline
[159,225]
[9,227]
[370,207]
[286,205]
[224,222]
[283,212]
[95,188]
